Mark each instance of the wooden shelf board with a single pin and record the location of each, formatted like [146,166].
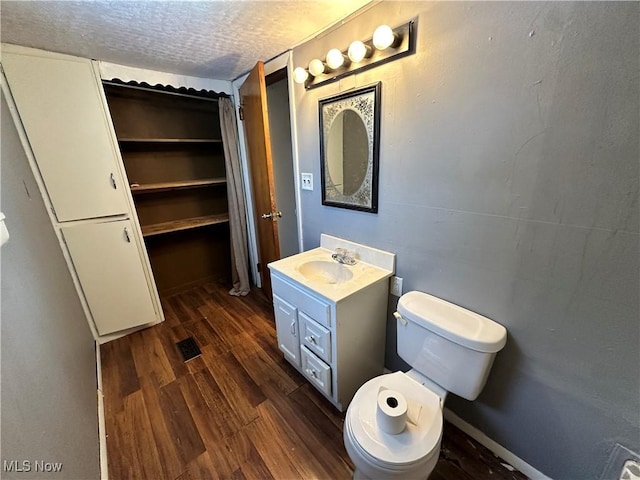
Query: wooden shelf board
[164,186]
[185,224]
[169,140]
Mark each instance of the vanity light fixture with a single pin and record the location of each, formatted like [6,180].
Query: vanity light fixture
[385,45]
[358,51]
[316,67]
[335,59]
[300,75]
[383,37]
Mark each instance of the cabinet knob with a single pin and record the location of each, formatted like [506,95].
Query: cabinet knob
[112,177]
[311,339]
[312,372]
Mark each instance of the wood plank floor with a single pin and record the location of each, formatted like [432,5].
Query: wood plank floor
[237,411]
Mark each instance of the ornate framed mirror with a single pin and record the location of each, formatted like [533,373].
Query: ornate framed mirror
[349,144]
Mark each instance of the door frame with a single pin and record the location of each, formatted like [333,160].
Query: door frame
[273,65]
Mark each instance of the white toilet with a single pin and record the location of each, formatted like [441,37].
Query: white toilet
[451,350]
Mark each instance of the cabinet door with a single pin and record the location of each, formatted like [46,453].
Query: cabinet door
[62,111]
[107,261]
[287,329]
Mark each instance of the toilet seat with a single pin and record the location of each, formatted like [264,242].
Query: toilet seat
[415,444]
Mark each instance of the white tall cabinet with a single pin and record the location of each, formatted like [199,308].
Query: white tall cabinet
[67,131]
[61,108]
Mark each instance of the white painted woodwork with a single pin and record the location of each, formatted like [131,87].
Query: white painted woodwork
[316,308]
[113,71]
[342,325]
[349,334]
[287,329]
[316,371]
[105,257]
[315,337]
[61,109]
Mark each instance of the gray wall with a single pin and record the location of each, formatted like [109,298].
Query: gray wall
[49,399]
[509,185]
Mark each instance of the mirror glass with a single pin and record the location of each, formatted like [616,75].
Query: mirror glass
[347,152]
[349,130]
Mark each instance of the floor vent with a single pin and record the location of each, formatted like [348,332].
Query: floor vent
[189,349]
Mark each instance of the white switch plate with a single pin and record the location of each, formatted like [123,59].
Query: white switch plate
[622,464]
[396,286]
[307,181]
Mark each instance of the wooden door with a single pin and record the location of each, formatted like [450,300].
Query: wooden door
[107,261]
[61,108]
[253,99]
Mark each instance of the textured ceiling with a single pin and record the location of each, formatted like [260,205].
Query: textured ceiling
[211,39]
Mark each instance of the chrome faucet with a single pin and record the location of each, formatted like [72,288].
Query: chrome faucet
[344,256]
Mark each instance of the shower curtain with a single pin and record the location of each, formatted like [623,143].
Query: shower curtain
[235,196]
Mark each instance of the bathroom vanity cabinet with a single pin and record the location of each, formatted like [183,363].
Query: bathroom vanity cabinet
[333,333]
[60,111]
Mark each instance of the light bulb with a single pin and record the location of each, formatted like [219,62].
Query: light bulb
[316,67]
[358,51]
[300,75]
[383,37]
[335,58]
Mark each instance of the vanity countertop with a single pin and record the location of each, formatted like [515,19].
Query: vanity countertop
[341,281]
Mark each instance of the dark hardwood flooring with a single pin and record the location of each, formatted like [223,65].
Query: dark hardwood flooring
[239,410]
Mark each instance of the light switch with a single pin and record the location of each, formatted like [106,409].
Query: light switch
[4,233]
[307,181]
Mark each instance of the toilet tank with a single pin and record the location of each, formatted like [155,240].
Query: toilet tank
[448,344]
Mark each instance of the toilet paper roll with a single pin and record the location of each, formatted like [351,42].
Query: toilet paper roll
[392,411]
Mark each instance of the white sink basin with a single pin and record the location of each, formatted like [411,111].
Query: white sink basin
[323,271]
[317,271]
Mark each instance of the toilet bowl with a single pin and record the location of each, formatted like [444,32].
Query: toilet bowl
[451,349]
[411,454]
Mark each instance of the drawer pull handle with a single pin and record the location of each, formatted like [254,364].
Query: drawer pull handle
[126,235]
[311,339]
[312,372]
[293,328]
[113,181]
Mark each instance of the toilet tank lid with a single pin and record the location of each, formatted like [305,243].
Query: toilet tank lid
[453,322]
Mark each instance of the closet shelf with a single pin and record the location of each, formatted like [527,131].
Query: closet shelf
[166,186]
[185,224]
[169,140]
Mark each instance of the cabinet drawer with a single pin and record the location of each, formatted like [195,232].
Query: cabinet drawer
[315,337]
[313,307]
[318,372]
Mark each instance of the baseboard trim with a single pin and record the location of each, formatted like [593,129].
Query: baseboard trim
[102,430]
[495,447]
